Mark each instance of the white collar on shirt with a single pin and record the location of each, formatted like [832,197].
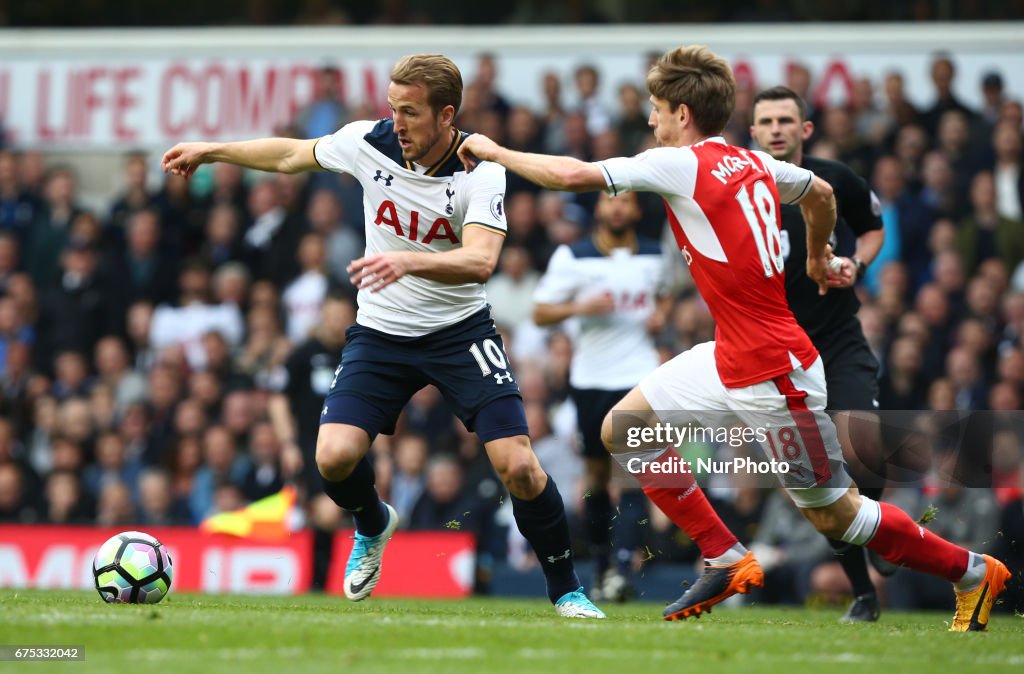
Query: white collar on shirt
[714,139]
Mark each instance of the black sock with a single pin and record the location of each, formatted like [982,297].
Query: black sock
[323,544]
[855,565]
[357,495]
[597,512]
[851,557]
[629,533]
[543,523]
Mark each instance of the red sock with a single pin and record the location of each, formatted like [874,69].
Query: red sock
[683,501]
[902,541]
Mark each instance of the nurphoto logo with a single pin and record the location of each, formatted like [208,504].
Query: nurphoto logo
[678,466]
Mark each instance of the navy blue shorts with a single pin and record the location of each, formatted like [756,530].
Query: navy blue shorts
[592,406]
[851,375]
[466,362]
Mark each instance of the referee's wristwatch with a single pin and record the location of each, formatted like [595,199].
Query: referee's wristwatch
[861,267]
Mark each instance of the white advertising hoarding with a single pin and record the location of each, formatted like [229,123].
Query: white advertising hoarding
[115,90]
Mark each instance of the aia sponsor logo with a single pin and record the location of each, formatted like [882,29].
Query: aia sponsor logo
[387,214]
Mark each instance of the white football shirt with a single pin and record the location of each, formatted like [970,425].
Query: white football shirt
[613,352]
[302,299]
[406,210]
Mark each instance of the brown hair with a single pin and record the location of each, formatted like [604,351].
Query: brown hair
[781,93]
[437,73]
[699,78]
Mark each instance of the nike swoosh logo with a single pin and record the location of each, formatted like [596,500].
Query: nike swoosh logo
[977,609]
[358,587]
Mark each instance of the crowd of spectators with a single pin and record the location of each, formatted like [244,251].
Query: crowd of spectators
[162,360]
[420,12]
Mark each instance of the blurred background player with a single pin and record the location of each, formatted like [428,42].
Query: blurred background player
[301,386]
[433,235]
[722,203]
[613,284]
[780,127]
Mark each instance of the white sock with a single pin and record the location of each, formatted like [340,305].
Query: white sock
[865,523]
[730,556]
[975,573]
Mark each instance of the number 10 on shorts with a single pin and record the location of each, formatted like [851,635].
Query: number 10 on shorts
[495,355]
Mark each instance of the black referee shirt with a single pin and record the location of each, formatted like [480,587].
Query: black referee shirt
[857,211]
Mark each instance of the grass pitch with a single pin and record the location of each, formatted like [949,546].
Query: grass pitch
[210,634]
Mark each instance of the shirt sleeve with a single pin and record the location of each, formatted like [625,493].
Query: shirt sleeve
[560,282]
[340,151]
[858,205]
[663,170]
[485,206]
[792,181]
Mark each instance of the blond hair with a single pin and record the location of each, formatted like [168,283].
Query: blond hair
[436,73]
[699,78]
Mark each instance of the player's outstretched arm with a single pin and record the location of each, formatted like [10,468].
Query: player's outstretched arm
[819,210]
[548,171]
[474,262]
[550,314]
[280,155]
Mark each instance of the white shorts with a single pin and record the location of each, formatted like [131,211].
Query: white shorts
[787,413]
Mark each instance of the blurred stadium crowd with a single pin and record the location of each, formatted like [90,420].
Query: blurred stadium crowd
[462,12]
[162,360]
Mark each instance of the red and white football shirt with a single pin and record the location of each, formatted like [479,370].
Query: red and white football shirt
[723,206]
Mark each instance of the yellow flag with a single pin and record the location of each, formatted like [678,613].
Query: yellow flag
[264,520]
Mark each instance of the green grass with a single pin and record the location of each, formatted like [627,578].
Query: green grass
[202,633]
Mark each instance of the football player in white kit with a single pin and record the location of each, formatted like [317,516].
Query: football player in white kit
[612,284]
[433,236]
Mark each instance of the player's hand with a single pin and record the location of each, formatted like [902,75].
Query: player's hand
[842,272]
[656,323]
[598,305]
[184,158]
[475,149]
[817,269]
[376,272]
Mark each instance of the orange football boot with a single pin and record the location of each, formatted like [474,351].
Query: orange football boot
[974,607]
[716,585]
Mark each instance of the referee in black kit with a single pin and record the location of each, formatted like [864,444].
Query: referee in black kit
[851,371]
